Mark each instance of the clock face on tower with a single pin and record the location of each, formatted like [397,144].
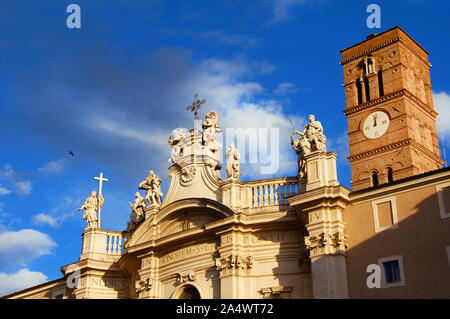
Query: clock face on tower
[376,124]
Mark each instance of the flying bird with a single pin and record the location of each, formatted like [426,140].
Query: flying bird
[71,153]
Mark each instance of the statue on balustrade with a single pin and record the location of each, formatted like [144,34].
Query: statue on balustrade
[233,162]
[137,211]
[152,185]
[91,205]
[311,139]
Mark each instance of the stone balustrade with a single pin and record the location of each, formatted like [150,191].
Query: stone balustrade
[114,243]
[272,192]
[261,193]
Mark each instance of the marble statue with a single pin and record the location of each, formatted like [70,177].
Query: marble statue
[210,128]
[152,185]
[91,205]
[233,162]
[137,210]
[311,139]
[175,140]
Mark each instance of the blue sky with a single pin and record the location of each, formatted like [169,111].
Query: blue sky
[113,91]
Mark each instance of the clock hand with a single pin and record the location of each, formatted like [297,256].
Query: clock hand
[374,120]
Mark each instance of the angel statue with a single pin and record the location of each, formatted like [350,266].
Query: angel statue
[91,205]
[152,184]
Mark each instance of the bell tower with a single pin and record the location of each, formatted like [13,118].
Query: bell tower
[389,108]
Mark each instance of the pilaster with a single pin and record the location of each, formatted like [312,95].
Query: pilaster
[234,266]
[322,205]
[146,284]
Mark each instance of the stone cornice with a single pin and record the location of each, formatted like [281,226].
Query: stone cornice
[378,150]
[427,152]
[394,146]
[380,46]
[321,196]
[386,98]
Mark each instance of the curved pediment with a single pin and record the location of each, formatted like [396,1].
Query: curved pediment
[179,216]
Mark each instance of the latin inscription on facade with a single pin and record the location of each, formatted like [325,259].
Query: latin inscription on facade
[188,252]
[264,238]
[104,282]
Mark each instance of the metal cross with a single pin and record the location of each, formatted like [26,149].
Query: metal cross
[100,180]
[195,106]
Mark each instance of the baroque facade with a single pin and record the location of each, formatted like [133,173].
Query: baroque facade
[304,236]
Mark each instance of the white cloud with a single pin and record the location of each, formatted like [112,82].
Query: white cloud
[20,247]
[144,136]
[281,9]
[45,219]
[7,171]
[285,88]
[340,146]
[23,188]
[234,67]
[442,106]
[54,167]
[4,191]
[228,38]
[22,279]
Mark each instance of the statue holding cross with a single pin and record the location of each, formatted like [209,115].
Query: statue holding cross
[92,204]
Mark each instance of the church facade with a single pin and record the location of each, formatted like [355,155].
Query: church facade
[303,236]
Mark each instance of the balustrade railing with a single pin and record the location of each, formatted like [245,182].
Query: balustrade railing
[271,192]
[114,243]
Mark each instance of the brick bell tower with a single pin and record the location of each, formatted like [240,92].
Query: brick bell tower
[389,108]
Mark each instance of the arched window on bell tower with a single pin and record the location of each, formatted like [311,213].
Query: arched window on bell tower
[390,174]
[367,88]
[380,83]
[359,90]
[375,178]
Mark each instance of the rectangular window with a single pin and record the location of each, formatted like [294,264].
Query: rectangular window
[392,271]
[385,214]
[392,274]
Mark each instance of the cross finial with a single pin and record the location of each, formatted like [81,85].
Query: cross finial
[195,106]
[100,180]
